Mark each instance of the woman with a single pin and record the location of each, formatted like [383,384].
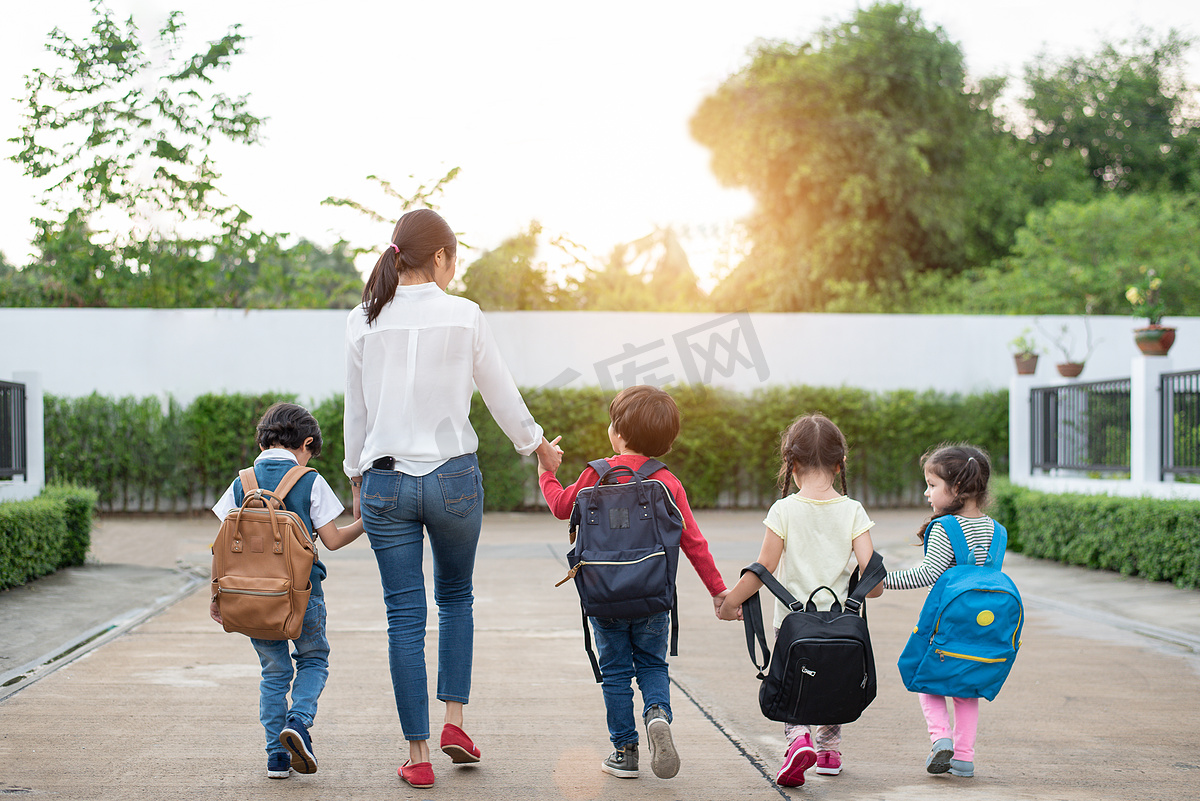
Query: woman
[413,356]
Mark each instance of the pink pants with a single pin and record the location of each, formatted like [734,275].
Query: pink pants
[966,721]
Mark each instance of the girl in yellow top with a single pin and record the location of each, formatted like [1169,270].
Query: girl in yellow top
[810,539]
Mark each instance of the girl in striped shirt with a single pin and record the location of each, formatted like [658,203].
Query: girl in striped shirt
[956,480]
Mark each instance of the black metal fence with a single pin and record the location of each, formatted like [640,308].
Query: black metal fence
[1180,393]
[1081,426]
[12,429]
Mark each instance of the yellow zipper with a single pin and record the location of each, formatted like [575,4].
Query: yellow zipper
[944,654]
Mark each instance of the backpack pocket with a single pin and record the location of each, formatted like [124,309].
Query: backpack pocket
[822,681]
[631,583]
[262,604]
[963,670]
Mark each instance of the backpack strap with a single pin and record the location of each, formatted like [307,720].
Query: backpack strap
[998,547]
[587,637]
[963,553]
[752,615]
[958,540]
[859,587]
[650,467]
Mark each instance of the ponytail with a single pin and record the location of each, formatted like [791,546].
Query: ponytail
[417,237]
[382,283]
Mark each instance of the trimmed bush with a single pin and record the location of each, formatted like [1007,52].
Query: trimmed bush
[41,535]
[1153,538]
[140,456]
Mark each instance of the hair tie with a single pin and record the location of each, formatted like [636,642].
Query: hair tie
[971,459]
[394,247]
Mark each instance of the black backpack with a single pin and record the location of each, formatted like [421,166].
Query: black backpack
[626,550]
[823,672]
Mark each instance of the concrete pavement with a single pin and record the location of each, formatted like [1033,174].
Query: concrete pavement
[163,704]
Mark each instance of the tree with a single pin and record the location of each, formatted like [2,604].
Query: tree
[1117,119]
[507,279]
[118,134]
[649,274]
[1073,258]
[861,149]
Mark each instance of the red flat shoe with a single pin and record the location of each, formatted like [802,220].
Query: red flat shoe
[458,745]
[419,775]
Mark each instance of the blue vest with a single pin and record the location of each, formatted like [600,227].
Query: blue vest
[268,473]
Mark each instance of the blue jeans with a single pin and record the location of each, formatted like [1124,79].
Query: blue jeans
[625,649]
[311,653]
[396,511]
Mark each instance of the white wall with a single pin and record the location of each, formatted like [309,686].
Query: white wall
[189,352]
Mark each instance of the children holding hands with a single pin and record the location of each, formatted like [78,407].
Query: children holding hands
[288,435]
[644,425]
[812,537]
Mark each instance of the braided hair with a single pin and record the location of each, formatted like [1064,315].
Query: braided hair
[812,441]
[966,470]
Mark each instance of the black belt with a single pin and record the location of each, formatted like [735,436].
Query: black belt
[384,463]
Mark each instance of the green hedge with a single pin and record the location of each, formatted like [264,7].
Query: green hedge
[1148,537]
[46,533]
[143,456]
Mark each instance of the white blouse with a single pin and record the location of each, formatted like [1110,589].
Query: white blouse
[409,380]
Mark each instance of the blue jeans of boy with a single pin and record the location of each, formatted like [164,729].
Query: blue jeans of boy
[311,654]
[628,649]
[397,510]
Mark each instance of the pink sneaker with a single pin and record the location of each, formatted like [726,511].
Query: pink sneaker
[800,757]
[829,763]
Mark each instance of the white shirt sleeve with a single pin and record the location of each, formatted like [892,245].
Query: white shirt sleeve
[324,505]
[225,502]
[500,392]
[354,417]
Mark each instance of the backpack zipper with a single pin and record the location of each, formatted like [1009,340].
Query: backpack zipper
[252,592]
[943,654]
[571,573]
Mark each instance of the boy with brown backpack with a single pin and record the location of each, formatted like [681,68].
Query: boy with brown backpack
[271,516]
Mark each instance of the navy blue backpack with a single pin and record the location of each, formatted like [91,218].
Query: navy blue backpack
[626,552]
[969,631]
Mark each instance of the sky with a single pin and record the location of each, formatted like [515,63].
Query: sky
[571,114]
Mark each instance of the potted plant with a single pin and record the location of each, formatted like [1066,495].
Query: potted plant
[1146,298]
[1071,366]
[1025,352]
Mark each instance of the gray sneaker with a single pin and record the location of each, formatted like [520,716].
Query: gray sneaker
[622,763]
[962,768]
[664,759]
[940,755]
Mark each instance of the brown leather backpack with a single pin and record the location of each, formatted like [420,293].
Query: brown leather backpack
[262,559]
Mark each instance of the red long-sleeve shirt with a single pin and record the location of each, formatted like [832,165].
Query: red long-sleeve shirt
[561,500]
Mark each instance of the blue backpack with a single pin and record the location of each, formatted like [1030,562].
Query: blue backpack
[626,552]
[969,631]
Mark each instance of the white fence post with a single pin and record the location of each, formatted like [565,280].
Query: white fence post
[1020,456]
[1145,417]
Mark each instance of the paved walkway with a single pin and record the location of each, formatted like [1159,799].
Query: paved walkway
[160,703]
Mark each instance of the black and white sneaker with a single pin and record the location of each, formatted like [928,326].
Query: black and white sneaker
[664,759]
[622,763]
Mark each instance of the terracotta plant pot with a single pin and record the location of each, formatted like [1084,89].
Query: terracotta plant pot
[1070,369]
[1154,340]
[1026,363]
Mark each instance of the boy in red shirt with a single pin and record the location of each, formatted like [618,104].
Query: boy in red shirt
[645,422]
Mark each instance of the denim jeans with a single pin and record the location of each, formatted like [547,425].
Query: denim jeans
[311,653]
[626,649]
[396,511]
